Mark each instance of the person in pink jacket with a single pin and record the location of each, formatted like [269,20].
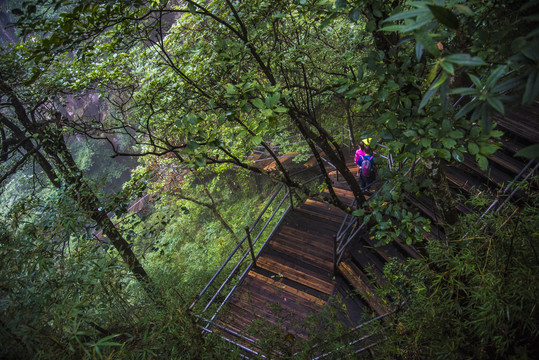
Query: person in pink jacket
[361,151]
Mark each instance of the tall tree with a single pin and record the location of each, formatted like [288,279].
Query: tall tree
[34,130]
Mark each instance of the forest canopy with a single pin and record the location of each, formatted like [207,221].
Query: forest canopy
[178,95]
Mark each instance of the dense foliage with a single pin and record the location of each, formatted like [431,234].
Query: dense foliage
[191,89]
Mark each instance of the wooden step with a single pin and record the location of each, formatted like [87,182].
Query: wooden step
[289,289]
[296,272]
[362,284]
[387,252]
[311,254]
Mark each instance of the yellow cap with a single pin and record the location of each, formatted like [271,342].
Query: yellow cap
[367,141]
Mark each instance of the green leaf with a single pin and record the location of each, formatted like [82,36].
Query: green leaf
[259,103]
[476,81]
[444,154]
[495,76]
[532,88]
[354,15]
[456,134]
[432,90]
[496,104]
[273,100]
[464,91]
[410,133]
[358,212]
[529,152]
[392,28]
[200,161]
[192,8]
[340,4]
[192,118]
[371,25]
[428,43]
[466,109]
[416,25]
[508,85]
[487,149]
[463,9]
[482,161]
[447,66]
[231,89]
[465,60]
[473,148]
[407,14]
[449,143]
[444,16]
[257,140]
[425,142]
[193,145]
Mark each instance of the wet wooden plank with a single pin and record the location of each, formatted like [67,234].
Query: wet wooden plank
[362,284]
[310,254]
[295,272]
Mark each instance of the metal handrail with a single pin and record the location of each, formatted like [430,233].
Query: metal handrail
[238,246]
[246,253]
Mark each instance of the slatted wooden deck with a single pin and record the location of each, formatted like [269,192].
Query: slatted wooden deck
[294,278]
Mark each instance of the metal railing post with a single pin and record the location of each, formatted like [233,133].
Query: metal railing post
[334,255]
[250,245]
[291,198]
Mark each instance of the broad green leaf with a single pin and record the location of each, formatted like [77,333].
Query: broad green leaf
[432,90]
[449,143]
[495,76]
[358,212]
[444,16]
[508,85]
[425,142]
[457,155]
[257,140]
[444,154]
[464,91]
[466,109]
[463,9]
[407,14]
[440,81]
[355,14]
[192,118]
[496,104]
[476,81]
[428,43]
[416,25]
[482,161]
[465,60]
[446,125]
[529,152]
[473,148]
[370,26]
[410,133]
[487,149]
[259,103]
[392,28]
[456,134]
[447,66]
